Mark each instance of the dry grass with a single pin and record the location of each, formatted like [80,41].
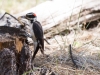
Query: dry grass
[86,53]
[16,6]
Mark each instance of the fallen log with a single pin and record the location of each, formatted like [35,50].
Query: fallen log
[57,16]
[15,55]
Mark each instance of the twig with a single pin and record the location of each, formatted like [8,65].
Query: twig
[13,17]
[70,52]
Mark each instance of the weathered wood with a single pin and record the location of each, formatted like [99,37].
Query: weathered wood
[56,19]
[15,55]
[8,64]
[58,16]
[11,36]
[25,61]
[52,13]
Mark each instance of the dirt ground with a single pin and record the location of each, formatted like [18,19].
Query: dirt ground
[85,50]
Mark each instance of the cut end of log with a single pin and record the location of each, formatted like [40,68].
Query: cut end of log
[10,36]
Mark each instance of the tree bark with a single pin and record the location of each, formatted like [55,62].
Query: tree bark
[15,55]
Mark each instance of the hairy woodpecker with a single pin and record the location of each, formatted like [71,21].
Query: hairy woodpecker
[36,33]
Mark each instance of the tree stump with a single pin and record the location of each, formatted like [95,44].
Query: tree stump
[15,55]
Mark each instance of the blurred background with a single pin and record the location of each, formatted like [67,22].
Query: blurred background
[16,6]
[75,22]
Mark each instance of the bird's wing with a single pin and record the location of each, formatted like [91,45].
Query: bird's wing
[38,32]
[39,24]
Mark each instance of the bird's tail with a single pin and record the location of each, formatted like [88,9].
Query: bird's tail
[41,45]
[46,41]
[35,52]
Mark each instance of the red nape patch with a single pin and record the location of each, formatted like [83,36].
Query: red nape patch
[34,14]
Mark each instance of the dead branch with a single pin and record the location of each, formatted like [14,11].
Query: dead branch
[62,15]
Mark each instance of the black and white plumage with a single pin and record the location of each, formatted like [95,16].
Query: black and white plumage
[36,33]
[38,38]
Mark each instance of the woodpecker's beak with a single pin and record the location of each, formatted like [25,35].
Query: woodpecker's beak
[23,17]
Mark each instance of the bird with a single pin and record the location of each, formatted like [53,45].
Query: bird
[36,31]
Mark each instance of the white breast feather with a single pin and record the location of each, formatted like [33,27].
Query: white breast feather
[32,33]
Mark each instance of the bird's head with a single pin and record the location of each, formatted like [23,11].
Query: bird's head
[30,16]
